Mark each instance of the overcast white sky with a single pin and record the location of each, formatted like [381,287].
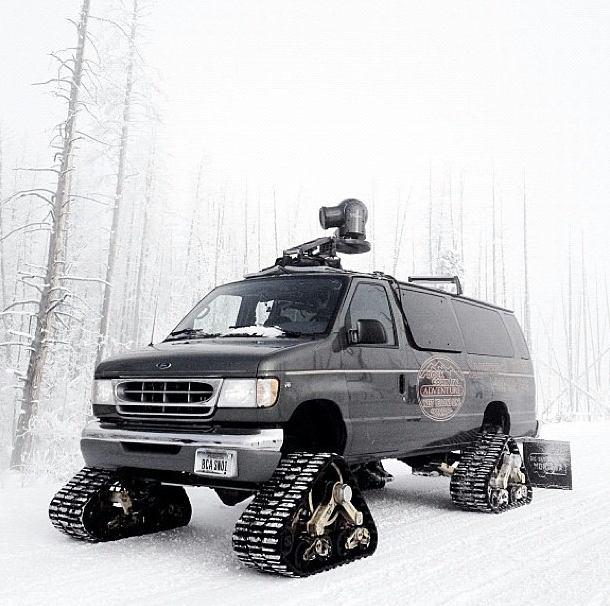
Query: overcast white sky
[345,92]
[337,95]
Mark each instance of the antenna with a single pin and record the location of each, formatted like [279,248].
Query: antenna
[152,334]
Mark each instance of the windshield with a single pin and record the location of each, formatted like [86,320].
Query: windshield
[292,306]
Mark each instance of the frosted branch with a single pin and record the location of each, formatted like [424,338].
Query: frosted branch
[29,192]
[62,80]
[56,342]
[85,135]
[126,34]
[39,170]
[57,303]
[23,274]
[63,62]
[17,313]
[41,226]
[11,343]
[83,279]
[38,288]
[17,303]
[16,333]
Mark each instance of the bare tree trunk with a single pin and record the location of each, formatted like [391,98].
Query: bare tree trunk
[3,274]
[526,286]
[246,226]
[451,214]
[194,223]
[128,286]
[277,246]
[372,216]
[148,194]
[430,219]
[219,228]
[479,292]
[569,332]
[502,263]
[258,223]
[439,232]
[607,315]
[118,195]
[52,292]
[401,219]
[462,217]
[584,322]
[493,237]
[3,290]
[486,264]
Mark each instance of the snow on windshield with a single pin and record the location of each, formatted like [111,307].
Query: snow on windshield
[253,331]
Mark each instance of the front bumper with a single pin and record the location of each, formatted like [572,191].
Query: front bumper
[258,452]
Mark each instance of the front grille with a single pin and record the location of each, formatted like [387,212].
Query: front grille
[157,398]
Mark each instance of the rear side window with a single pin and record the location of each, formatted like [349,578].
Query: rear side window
[432,321]
[483,330]
[514,330]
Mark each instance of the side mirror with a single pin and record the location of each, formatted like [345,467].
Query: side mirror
[368,332]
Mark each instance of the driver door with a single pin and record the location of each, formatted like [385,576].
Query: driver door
[373,375]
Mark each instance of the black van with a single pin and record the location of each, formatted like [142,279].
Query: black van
[294,384]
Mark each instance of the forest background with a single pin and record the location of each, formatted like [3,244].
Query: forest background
[169,147]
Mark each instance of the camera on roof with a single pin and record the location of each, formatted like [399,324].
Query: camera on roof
[350,219]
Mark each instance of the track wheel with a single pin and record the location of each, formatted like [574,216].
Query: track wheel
[331,528]
[119,511]
[507,484]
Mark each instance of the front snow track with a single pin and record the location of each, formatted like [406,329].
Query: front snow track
[308,518]
[491,476]
[106,505]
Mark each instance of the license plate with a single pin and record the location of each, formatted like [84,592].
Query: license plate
[221,463]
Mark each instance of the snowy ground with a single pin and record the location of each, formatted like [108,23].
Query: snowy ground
[554,551]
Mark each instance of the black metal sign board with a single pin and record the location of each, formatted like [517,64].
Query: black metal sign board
[548,463]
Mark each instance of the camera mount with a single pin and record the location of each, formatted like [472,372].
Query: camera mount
[350,219]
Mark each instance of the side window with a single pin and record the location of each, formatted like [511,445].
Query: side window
[431,321]
[483,330]
[370,302]
[514,330]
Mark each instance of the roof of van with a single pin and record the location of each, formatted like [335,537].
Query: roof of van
[278,271]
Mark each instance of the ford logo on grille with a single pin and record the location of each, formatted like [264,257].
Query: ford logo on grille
[163,365]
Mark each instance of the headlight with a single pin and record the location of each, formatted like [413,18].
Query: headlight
[248,393]
[103,392]
[238,393]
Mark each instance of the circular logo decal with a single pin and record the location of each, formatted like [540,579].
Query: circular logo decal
[441,388]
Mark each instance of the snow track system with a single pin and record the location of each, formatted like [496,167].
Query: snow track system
[491,475]
[105,505]
[308,518]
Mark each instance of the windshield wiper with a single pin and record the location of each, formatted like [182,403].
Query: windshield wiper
[291,333]
[189,333]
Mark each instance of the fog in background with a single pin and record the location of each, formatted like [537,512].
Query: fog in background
[447,119]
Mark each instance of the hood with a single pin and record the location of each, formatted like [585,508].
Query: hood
[210,358]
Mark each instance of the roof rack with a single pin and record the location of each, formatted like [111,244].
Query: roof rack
[452,279]
[322,251]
